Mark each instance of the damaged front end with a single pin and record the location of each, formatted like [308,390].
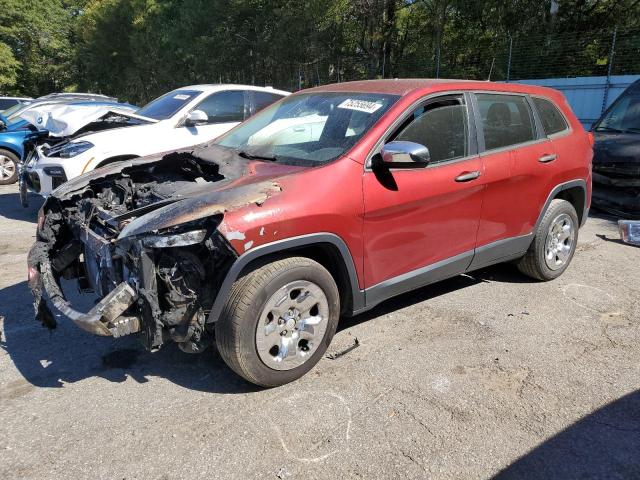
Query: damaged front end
[144,238]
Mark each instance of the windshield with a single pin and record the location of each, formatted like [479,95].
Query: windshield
[623,117]
[12,110]
[313,127]
[168,104]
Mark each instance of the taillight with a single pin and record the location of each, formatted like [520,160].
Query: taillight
[592,140]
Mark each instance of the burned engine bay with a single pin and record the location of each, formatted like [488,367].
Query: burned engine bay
[142,236]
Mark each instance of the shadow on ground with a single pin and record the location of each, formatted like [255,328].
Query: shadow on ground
[604,444]
[10,207]
[67,354]
[502,273]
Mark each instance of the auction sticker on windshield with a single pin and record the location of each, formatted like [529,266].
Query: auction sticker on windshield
[360,105]
[181,97]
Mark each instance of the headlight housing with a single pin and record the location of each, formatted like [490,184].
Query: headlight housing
[629,231]
[168,240]
[71,149]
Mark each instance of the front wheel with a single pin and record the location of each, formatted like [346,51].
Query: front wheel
[278,321]
[8,168]
[554,242]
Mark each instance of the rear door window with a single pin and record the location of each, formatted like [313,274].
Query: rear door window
[552,120]
[506,120]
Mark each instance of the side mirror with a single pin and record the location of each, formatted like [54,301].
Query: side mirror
[405,154]
[195,118]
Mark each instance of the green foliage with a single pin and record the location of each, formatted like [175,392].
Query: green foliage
[38,32]
[138,49]
[8,68]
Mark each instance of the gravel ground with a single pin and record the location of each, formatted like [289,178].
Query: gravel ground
[481,375]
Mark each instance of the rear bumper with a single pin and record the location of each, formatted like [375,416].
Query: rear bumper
[105,318]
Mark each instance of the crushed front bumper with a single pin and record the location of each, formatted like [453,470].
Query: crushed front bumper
[105,318]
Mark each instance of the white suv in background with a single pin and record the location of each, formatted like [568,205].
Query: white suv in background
[179,119]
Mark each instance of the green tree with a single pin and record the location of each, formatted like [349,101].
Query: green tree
[8,68]
[38,34]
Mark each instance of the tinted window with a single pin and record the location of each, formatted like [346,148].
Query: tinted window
[441,126]
[506,120]
[624,116]
[552,119]
[15,108]
[168,104]
[7,102]
[264,99]
[223,107]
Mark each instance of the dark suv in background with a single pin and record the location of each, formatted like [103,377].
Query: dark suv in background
[616,161]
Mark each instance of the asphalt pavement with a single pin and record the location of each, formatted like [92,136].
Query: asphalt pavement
[482,375]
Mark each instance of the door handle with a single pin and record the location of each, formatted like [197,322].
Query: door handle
[299,129]
[549,157]
[467,176]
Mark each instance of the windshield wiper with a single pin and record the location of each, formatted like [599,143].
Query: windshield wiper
[608,129]
[251,156]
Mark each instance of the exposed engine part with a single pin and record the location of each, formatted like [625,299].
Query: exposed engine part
[182,274]
[146,242]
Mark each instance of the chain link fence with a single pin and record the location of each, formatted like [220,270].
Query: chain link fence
[513,57]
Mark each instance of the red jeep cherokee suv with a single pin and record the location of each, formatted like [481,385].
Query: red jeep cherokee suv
[324,204]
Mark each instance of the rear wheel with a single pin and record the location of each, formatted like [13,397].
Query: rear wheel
[554,243]
[278,321]
[8,167]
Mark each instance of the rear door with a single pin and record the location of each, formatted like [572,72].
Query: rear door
[424,217]
[518,166]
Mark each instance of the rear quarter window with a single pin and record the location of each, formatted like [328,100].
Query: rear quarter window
[552,120]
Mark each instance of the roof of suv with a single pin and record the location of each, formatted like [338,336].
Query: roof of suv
[404,86]
[229,86]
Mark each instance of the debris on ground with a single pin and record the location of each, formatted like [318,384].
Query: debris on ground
[333,356]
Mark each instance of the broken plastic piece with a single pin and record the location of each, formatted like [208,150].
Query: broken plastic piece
[630,231]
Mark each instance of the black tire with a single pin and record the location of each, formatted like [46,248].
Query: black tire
[533,264]
[236,328]
[13,158]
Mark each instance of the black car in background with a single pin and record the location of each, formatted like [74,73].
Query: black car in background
[616,161]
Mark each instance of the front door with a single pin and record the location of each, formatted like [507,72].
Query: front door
[420,224]
[224,111]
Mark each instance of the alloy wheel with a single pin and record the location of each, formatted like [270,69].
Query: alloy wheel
[560,241]
[292,325]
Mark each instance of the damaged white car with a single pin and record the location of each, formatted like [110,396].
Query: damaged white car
[178,119]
